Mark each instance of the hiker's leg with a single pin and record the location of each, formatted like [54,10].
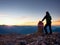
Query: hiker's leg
[45,28]
[50,29]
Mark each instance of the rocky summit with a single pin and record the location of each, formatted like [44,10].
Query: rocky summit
[30,39]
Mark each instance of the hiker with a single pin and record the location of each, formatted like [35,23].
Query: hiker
[48,22]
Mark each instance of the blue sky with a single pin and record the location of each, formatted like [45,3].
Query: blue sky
[28,10]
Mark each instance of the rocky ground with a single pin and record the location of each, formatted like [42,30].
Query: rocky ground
[30,39]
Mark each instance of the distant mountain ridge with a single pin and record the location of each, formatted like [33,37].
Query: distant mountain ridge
[4,29]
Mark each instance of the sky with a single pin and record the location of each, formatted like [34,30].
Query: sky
[28,12]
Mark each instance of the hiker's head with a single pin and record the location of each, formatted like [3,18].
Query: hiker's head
[47,13]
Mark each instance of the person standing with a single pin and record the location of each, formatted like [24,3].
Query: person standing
[48,22]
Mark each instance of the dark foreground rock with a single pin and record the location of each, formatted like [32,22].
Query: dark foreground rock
[30,39]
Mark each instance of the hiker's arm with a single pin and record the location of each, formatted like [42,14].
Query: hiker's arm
[43,18]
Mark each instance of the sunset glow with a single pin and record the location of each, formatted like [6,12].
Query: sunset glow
[56,23]
[28,12]
[12,22]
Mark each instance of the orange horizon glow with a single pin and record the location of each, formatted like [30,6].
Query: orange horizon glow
[11,23]
[56,23]
[23,22]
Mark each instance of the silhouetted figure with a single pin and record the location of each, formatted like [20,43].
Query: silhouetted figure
[48,22]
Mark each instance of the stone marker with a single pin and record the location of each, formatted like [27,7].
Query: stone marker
[40,27]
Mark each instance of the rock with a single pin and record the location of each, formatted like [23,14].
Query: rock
[31,39]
